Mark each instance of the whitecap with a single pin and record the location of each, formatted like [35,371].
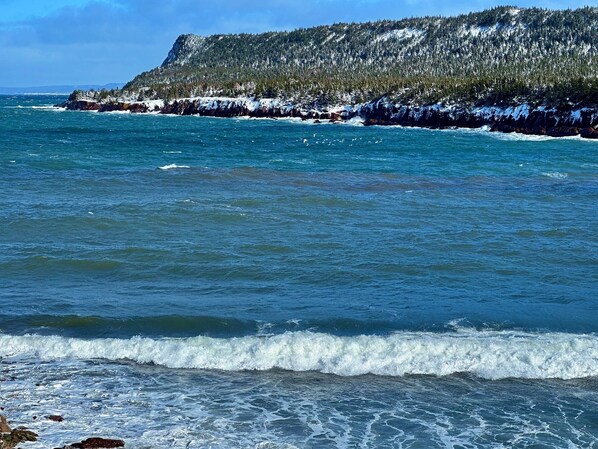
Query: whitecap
[555,175]
[173,167]
[486,354]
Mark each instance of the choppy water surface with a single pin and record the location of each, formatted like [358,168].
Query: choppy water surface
[198,282]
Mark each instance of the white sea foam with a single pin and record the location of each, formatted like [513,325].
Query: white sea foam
[532,137]
[44,107]
[556,175]
[47,107]
[487,354]
[173,167]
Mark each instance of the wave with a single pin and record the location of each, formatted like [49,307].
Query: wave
[486,354]
[173,167]
[555,175]
[47,107]
[42,108]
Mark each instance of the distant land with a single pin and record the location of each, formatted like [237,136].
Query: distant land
[511,69]
[62,89]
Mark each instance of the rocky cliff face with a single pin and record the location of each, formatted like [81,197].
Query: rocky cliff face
[184,48]
[522,119]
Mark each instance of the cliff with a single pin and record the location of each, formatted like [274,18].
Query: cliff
[524,119]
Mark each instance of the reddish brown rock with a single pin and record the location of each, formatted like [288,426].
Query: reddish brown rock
[98,443]
[589,133]
[4,427]
[55,418]
[334,117]
[562,131]
[82,105]
[138,108]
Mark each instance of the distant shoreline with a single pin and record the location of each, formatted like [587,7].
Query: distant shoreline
[35,94]
[524,118]
[58,89]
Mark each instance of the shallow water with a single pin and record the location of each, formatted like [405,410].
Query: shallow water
[201,282]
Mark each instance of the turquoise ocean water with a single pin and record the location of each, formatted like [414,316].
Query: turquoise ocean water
[194,282]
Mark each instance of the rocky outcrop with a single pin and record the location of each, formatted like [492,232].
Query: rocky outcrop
[9,439]
[4,427]
[55,418]
[184,48]
[96,443]
[88,105]
[16,437]
[81,105]
[525,119]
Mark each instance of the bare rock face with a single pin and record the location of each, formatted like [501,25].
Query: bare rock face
[589,133]
[523,119]
[183,49]
[82,105]
[4,427]
[136,108]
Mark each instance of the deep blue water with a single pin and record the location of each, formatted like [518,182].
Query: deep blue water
[262,283]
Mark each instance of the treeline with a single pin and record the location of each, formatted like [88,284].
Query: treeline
[505,91]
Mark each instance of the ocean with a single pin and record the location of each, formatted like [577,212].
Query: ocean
[194,282]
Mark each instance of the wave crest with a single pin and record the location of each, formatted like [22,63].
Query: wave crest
[487,354]
[173,167]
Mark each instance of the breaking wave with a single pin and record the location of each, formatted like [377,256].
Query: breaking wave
[173,167]
[555,175]
[486,354]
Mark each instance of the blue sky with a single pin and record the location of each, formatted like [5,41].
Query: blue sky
[50,42]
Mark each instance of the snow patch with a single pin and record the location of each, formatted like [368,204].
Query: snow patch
[329,37]
[475,31]
[401,34]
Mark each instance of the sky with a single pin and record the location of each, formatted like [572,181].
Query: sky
[56,42]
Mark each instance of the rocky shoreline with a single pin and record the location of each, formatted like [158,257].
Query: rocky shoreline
[12,438]
[525,119]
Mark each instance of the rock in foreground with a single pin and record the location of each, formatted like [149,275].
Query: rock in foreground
[55,418]
[9,439]
[96,443]
[4,427]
